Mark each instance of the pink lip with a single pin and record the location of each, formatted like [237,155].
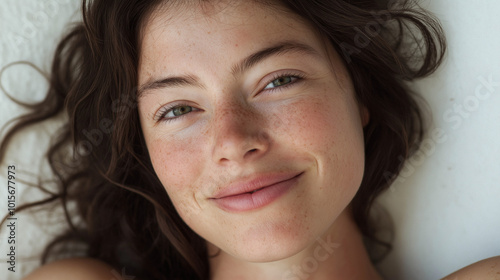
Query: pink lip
[256,193]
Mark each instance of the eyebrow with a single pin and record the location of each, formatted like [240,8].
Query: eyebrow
[281,48]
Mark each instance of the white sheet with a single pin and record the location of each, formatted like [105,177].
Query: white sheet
[445,205]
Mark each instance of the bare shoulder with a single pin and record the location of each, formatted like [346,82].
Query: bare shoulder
[75,269]
[484,269]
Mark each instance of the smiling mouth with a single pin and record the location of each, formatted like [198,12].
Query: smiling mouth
[255,199]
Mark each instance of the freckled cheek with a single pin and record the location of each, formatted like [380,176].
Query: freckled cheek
[311,125]
[175,164]
[327,129]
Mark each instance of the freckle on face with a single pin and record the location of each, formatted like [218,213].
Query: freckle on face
[313,126]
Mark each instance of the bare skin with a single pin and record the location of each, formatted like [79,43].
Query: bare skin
[247,122]
[236,125]
[85,268]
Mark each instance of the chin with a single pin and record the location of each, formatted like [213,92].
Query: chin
[270,249]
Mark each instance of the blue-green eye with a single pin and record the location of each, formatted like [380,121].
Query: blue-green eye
[282,81]
[174,111]
[180,110]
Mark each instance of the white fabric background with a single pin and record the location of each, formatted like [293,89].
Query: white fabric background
[445,204]
[29,31]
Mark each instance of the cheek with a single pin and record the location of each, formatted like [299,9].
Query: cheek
[323,124]
[176,164]
[169,159]
[328,127]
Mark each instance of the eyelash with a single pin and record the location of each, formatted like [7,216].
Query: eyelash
[160,117]
[297,77]
[165,110]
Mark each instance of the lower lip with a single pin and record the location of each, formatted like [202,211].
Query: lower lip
[258,199]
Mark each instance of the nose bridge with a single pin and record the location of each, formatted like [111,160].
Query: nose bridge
[238,131]
[234,113]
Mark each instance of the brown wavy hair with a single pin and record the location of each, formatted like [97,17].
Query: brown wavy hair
[99,157]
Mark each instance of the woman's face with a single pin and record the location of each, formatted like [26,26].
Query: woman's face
[257,93]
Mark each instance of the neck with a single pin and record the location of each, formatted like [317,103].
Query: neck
[337,254]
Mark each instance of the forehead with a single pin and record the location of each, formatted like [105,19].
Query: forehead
[218,29]
[231,13]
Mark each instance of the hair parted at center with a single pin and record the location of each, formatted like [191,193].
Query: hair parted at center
[127,219]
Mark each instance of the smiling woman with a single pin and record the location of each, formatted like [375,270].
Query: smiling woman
[286,90]
[244,139]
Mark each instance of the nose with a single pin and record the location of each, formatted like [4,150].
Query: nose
[239,134]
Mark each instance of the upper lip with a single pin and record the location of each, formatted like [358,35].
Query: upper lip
[253,183]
